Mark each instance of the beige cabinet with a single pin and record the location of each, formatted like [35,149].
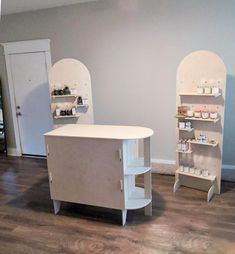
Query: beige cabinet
[97,165]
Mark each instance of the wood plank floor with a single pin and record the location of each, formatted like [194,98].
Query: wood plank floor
[181,223]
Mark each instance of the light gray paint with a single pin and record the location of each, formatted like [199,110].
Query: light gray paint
[16,6]
[132,49]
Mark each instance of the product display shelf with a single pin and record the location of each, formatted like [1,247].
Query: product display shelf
[185,129]
[65,96]
[199,69]
[210,178]
[203,95]
[73,74]
[186,152]
[70,116]
[82,106]
[137,199]
[202,143]
[136,167]
[198,119]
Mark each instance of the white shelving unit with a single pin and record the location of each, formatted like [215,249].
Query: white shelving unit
[198,66]
[75,75]
[108,180]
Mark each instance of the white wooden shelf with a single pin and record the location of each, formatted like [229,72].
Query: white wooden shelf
[70,116]
[82,106]
[201,95]
[187,152]
[202,143]
[202,119]
[185,129]
[198,119]
[209,178]
[64,96]
[137,199]
[136,170]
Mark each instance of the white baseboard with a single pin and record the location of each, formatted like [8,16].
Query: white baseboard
[172,162]
[12,152]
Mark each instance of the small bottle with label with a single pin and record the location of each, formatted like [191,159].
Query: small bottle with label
[73,111]
[57,111]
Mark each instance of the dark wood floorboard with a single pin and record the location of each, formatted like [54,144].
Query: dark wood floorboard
[181,223]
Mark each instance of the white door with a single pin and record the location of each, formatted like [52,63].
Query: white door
[32,100]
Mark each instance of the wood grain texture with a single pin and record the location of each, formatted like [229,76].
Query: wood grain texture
[181,223]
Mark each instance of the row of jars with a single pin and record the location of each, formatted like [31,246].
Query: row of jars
[183,145]
[208,90]
[204,114]
[65,91]
[185,125]
[194,170]
[65,112]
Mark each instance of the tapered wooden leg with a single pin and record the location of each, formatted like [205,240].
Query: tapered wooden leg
[148,210]
[176,185]
[210,193]
[124,214]
[56,204]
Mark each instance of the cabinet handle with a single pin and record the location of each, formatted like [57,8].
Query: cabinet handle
[121,185]
[120,154]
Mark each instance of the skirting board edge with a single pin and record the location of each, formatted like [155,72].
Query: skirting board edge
[159,165]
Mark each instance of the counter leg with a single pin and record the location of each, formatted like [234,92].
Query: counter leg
[124,214]
[56,204]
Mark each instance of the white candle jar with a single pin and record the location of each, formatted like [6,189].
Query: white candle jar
[186,169]
[213,115]
[205,172]
[215,90]
[200,90]
[57,112]
[191,170]
[205,114]
[197,172]
[190,113]
[182,125]
[198,114]
[207,90]
[181,168]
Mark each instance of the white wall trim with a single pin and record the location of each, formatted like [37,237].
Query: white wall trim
[161,161]
[172,162]
[11,48]
[31,46]
[12,152]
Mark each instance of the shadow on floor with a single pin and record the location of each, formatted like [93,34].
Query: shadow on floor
[37,198]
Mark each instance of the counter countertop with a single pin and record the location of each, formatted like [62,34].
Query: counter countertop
[101,131]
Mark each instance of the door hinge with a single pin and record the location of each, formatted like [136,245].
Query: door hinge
[50,177]
[48,150]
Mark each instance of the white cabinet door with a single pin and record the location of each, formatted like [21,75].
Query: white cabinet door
[30,80]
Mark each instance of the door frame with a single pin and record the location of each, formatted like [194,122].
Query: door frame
[20,47]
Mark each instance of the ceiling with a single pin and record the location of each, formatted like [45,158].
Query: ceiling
[16,6]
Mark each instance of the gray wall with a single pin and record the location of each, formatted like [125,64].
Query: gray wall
[132,49]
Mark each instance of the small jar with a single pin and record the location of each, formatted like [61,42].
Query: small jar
[205,114]
[198,113]
[181,168]
[200,90]
[57,111]
[188,125]
[213,115]
[73,111]
[190,113]
[66,90]
[197,171]
[215,90]
[186,169]
[182,125]
[85,101]
[205,172]
[191,170]
[207,90]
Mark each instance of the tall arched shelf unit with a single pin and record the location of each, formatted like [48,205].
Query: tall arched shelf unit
[74,74]
[197,72]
